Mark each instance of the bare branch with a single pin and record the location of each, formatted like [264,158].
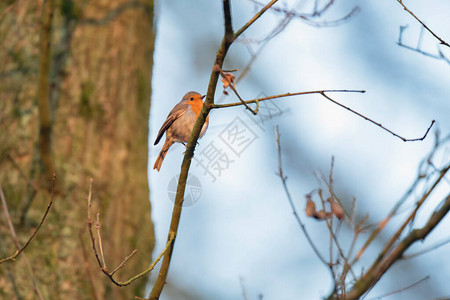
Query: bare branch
[423,24]
[253,20]
[283,96]
[308,18]
[101,259]
[100,243]
[379,124]
[291,203]
[323,93]
[402,289]
[374,274]
[122,264]
[439,56]
[419,203]
[231,85]
[429,249]
[190,147]
[421,176]
[16,241]
[11,227]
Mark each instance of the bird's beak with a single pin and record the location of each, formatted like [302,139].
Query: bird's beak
[203,96]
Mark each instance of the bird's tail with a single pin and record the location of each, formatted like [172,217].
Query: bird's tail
[162,154]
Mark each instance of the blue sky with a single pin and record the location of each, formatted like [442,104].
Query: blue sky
[242,226]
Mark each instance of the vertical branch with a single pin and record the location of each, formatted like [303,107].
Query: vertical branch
[45,122]
[190,147]
[228,37]
[176,213]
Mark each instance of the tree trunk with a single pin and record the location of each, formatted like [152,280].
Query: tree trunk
[98,98]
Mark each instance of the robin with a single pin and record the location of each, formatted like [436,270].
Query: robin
[179,124]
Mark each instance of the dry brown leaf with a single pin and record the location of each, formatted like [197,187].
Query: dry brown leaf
[228,81]
[321,215]
[310,209]
[337,209]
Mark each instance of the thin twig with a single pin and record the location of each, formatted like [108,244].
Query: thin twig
[348,266]
[100,243]
[11,227]
[122,264]
[429,249]
[423,24]
[101,261]
[307,18]
[291,203]
[374,274]
[273,33]
[402,289]
[253,20]
[332,193]
[397,234]
[333,238]
[230,71]
[208,104]
[16,241]
[439,56]
[283,96]
[418,180]
[231,85]
[379,124]
[322,92]
[87,267]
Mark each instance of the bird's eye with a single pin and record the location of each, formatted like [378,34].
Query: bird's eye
[192,98]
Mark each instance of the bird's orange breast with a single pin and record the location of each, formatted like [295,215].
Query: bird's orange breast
[196,106]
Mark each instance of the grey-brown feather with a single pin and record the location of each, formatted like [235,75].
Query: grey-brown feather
[182,130]
[174,114]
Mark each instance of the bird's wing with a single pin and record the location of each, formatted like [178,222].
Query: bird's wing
[174,114]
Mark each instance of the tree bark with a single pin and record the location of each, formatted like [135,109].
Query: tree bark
[98,103]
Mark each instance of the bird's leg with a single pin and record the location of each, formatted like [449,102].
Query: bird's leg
[184,144]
